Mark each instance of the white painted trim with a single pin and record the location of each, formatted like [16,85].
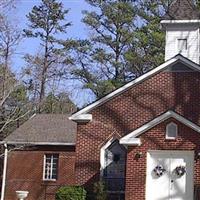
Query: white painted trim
[182,51]
[102,155]
[102,161]
[138,80]
[198,35]
[39,143]
[189,63]
[158,120]
[4,172]
[167,131]
[194,21]
[44,165]
[132,141]
[81,118]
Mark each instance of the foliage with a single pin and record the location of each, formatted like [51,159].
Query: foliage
[14,106]
[71,193]
[125,41]
[60,103]
[99,191]
[46,21]
[5,6]
[146,51]
[17,98]
[10,37]
[99,60]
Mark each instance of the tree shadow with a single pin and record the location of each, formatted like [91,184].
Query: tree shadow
[170,90]
[187,94]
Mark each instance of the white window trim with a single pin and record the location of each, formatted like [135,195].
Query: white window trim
[168,137]
[44,166]
[102,156]
[182,51]
[103,163]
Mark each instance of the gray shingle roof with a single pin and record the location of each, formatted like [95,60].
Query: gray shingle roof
[45,128]
[182,10]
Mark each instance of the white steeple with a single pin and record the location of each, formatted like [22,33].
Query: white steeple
[182,37]
[182,26]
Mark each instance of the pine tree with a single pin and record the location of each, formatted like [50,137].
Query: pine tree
[125,41]
[100,61]
[46,21]
[59,103]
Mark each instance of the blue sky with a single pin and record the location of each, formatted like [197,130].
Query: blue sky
[23,7]
[31,46]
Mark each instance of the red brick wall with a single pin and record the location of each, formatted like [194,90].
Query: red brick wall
[154,139]
[178,91]
[25,172]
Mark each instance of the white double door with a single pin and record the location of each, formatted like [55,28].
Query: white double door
[169,186]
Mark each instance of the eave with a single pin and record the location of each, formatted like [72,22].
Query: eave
[170,62]
[130,139]
[39,143]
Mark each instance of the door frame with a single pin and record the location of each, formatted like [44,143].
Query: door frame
[186,153]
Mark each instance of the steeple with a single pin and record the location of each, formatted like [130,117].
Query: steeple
[182,25]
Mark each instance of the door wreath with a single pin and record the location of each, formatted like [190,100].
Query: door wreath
[180,171]
[159,170]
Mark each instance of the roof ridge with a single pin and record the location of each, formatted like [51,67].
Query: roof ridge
[141,78]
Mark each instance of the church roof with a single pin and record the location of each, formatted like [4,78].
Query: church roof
[182,10]
[168,64]
[45,129]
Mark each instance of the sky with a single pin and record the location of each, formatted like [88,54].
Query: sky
[31,46]
[23,7]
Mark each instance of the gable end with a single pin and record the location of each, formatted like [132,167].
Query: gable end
[173,61]
[131,137]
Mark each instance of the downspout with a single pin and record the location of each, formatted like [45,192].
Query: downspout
[199,45]
[4,172]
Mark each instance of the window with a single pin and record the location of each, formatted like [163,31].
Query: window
[171,131]
[114,167]
[182,45]
[50,171]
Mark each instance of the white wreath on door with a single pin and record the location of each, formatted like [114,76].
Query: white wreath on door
[180,170]
[159,170]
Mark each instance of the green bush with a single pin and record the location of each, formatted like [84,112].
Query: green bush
[100,191]
[71,193]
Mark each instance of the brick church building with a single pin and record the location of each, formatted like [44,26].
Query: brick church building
[142,140]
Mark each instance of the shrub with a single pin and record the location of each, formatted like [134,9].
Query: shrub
[71,193]
[99,191]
